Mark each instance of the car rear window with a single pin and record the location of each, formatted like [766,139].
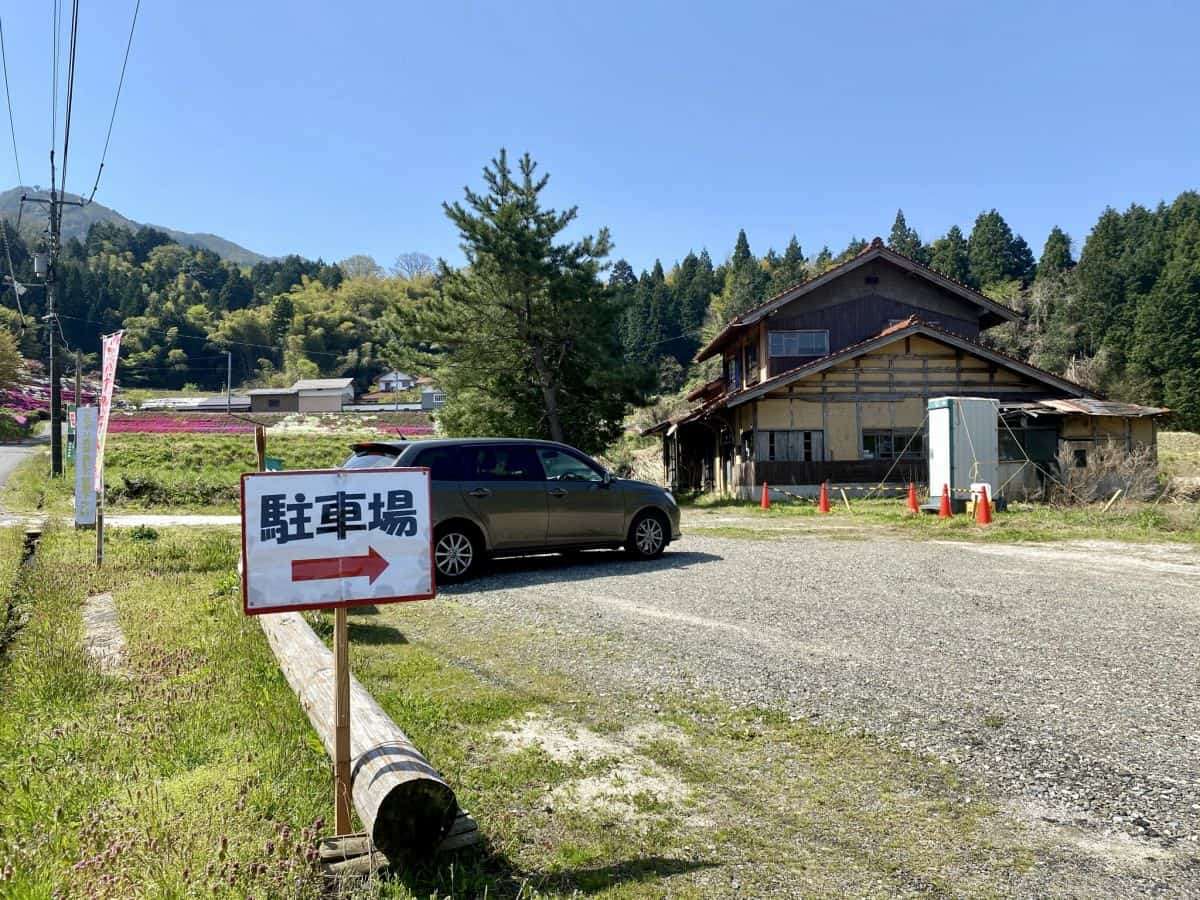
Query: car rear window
[370,459]
[444,463]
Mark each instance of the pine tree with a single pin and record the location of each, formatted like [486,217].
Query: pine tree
[1167,343]
[1056,254]
[1101,281]
[621,278]
[822,261]
[790,268]
[527,329]
[1020,260]
[741,250]
[856,246]
[905,240]
[989,249]
[949,256]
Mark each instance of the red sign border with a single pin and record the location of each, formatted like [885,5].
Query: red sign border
[347,604]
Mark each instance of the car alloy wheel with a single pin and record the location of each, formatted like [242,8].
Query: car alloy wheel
[454,553]
[648,536]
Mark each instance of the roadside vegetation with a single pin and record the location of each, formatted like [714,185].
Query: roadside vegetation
[193,771]
[174,472]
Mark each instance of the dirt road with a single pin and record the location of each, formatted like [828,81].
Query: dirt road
[1063,677]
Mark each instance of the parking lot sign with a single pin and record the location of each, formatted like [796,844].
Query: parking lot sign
[335,538]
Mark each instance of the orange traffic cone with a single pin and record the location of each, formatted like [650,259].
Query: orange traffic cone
[983,509]
[912,499]
[823,498]
[944,511]
[765,502]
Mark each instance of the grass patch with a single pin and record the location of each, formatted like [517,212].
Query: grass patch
[1125,521]
[196,774]
[172,472]
[1179,453]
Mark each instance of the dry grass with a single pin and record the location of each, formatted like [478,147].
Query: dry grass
[1179,454]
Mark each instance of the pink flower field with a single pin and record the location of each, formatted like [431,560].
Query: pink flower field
[178,425]
[197,424]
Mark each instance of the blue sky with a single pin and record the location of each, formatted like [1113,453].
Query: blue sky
[331,129]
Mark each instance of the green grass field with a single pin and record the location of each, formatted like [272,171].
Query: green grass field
[194,773]
[175,472]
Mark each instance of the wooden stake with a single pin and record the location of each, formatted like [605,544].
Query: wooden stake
[1112,499]
[341,718]
[260,447]
[99,521]
[846,500]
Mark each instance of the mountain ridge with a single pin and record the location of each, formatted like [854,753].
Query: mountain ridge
[77,221]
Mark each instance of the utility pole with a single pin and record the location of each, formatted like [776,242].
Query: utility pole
[228,382]
[56,448]
[48,270]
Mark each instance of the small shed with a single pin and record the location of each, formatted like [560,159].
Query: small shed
[324,394]
[432,398]
[274,400]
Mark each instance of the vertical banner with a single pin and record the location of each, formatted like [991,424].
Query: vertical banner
[111,344]
[85,466]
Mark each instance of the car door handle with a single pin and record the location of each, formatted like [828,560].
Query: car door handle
[557,492]
[480,492]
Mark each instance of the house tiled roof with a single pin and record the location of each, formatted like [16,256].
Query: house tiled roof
[874,249]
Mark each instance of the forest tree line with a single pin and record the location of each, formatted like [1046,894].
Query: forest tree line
[588,340]
[1123,318]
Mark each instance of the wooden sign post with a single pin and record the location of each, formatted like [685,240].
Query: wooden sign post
[332,539]
[341,716]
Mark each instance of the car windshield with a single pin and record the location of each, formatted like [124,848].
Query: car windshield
[370,459]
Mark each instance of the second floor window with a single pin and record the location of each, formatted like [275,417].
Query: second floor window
[799,343]
[751,362]
[733,372]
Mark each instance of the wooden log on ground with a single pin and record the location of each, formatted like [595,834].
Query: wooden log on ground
[403,803]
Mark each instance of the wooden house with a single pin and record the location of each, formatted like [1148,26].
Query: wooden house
[830,380]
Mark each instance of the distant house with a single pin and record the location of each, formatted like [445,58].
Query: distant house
[432,398]
[307,395]
[396,381]
[831,378]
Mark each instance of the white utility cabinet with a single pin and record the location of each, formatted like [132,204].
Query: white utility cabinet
[963,445]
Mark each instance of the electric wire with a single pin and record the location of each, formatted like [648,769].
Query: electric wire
[70,91]
[116,100]
[8,96]
[55,25]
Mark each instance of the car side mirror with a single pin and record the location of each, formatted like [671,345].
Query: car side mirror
[607,479]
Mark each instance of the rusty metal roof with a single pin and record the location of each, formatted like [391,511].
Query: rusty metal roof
[1088,406]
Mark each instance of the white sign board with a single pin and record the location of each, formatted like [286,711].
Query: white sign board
[86,418]
[338,537]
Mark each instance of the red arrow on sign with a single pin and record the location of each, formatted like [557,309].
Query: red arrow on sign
[371,565]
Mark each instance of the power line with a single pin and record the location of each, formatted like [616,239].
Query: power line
[56,28]
[8,96]
[116,99]
[70,90]
[196,337]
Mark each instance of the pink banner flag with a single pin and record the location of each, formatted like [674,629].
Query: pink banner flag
[111,344]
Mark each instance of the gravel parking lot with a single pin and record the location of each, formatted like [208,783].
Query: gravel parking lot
[1064,677]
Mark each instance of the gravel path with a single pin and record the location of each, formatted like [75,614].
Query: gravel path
[1065,677]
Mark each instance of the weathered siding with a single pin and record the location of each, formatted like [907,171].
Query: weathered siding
[853,321]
